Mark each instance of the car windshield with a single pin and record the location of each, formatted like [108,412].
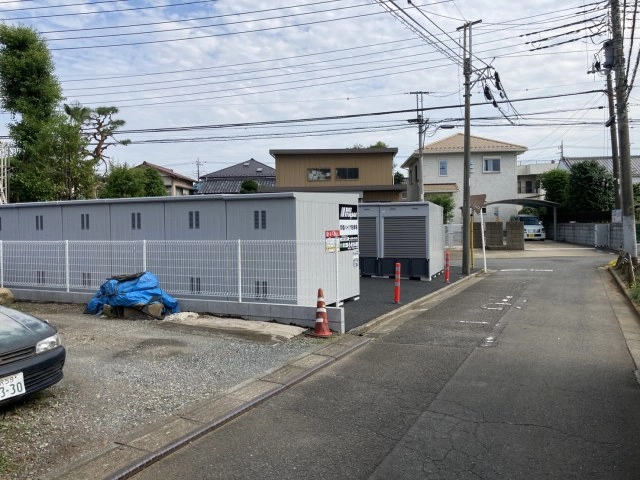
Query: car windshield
[530,221]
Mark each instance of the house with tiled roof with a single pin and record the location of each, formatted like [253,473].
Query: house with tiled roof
[493,172]
[175,183]
[229,180]
[567,162]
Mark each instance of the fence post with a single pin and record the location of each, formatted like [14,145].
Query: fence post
[144,255]
[338,274]
[66,264]
[1,264]
[239,267]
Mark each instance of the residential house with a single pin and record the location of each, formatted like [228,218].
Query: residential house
[367,171]
[177,185]
[567,162]
[528,175]
[229,180]
[493,167]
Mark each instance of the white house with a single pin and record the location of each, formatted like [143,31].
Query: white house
[528,175]
[493,172]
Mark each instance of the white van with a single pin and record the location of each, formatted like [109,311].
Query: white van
[533,229]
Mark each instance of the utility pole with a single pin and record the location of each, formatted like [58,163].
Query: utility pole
[628,215]
[466,188]
[421,127]
[198,163]
[615,158]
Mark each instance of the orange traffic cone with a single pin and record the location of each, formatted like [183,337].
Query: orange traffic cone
[322,321]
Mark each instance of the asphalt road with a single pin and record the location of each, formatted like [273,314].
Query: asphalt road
[522,373]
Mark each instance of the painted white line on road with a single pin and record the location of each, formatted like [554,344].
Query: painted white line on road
[488,341]
[526,270]
[466,321]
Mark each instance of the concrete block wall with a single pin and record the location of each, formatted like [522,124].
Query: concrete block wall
[477,235]
[493,234]
[515,235]
[578,233]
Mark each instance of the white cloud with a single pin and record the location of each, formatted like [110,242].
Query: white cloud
[323,68]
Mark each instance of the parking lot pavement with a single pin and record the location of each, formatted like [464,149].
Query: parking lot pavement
[377,296]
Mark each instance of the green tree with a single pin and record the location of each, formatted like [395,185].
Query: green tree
[123,182]
[590,187]
[447,203]
[398,178]
[102,128]
[52,159]
[359,146]
[30,93]
[28,85]
[153,184]
[249,186]
[555,184]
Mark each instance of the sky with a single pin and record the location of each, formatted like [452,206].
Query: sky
[203,85]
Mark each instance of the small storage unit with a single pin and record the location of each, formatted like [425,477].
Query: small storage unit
[410,233]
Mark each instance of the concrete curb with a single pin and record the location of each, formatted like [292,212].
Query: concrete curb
[630,326]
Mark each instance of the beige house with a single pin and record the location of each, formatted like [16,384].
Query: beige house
[367,171]
[493,173]
[176,184]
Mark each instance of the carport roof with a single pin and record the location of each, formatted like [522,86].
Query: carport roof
[527,202]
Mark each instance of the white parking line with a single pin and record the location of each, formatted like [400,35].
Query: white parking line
[526,270]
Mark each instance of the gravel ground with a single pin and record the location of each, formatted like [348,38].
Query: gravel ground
[120,375]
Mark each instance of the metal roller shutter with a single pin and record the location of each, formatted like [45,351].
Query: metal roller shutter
[405,237]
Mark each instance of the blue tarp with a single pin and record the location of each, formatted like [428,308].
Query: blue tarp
[136,291]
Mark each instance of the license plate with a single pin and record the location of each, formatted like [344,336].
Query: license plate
[11,386]
[531,235]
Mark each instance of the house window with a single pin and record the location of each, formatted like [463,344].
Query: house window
[318,174]
[84,221]
[491,165]
[39,222]
[415,172]
[347,173]
[194,220]
[442,168]
[259,219]
[136,221]
[528,187]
